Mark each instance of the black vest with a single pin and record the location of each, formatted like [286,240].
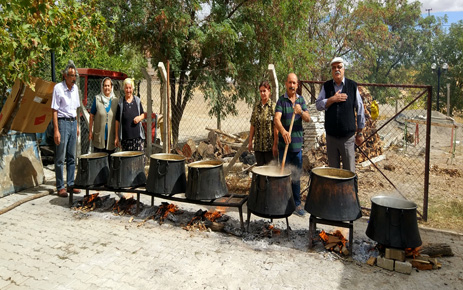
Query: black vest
[340,117]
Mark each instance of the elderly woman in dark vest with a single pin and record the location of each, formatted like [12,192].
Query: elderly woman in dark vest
[129,131]
[102,118]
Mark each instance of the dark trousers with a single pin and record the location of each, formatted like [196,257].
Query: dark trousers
[263,157]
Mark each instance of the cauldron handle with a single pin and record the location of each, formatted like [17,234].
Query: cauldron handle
[199,182]
[82,168]
[114,162]
[258,187]
[159,167]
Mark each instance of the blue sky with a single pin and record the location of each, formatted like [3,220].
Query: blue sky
[453,9]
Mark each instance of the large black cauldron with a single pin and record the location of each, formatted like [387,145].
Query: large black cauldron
[166,174]
[333,194]
[127,169]
[271,195]
[393,222]
[206,180]
[92,169]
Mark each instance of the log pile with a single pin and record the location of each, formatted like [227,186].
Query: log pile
[218,145]
[316,156]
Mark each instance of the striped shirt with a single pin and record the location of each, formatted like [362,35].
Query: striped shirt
[285,107]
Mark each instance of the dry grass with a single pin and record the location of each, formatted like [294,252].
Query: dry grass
[445,214]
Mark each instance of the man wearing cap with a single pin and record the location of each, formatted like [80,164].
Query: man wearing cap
[340,99]
[65,102]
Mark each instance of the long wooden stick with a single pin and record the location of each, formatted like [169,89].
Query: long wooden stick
[29,198]
[287,145]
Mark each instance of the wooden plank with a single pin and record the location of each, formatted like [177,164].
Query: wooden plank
[240,151]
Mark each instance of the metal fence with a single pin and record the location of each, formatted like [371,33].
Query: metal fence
[195,119]
[401,166]
[398,161]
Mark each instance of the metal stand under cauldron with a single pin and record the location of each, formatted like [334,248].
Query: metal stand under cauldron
[270,195]
[271,220]
[332,200]
[343,224]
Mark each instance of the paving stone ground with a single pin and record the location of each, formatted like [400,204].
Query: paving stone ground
[46,245]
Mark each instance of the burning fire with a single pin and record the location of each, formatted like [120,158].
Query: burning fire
[164,210]
[413,252]
[334,241]
[324,236]
[124,206]
[204,219]
[89,202]
[213,216]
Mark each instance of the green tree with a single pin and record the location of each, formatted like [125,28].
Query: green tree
[212,44]
[29,30]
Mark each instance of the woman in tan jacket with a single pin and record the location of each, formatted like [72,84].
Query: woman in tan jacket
[102,118]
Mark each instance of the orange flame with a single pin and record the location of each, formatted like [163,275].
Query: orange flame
[212,216]
[340,236]
[323,236]
[168,208]
[414,252]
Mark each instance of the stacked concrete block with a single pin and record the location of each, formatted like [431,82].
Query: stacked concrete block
[394,260]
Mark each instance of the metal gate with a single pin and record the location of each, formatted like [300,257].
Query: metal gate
[404,118]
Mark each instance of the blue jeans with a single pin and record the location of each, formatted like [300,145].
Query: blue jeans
[66,151]
[294,160]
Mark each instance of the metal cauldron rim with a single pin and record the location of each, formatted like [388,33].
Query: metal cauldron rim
[275,171]
[348,174]
[393,202]
[94,155]
[167,157]
[127,154]
[213,163]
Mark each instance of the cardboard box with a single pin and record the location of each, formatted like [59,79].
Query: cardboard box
[11,103]
[34,111]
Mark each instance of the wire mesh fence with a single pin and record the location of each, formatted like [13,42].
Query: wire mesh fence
[194,118]
[392,160]
[395,133]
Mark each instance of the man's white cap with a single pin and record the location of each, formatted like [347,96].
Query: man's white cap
[336,60]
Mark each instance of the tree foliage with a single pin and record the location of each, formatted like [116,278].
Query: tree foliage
[211,44]
[29,30]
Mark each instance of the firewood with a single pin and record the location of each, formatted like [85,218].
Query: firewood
[202,147]
[217,227]
[186,151]
[437,250]
[212,138]
[192,145]
[344,250]
[330,246]
[421,264]
[333,239]
[236,138]
[227,150]
[209,153]
[371,261]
